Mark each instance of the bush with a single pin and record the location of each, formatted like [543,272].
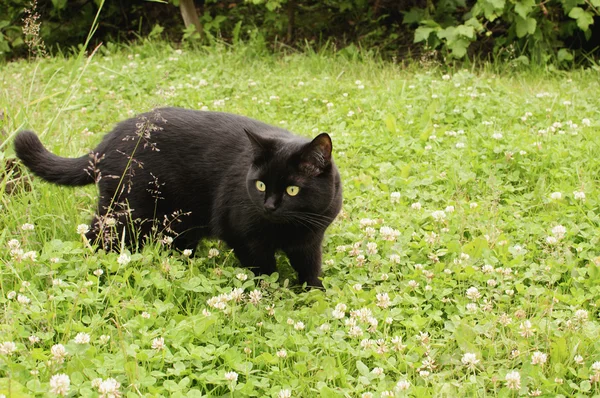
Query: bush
[540,30]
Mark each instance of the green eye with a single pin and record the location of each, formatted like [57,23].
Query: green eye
[292,190]
[260,186]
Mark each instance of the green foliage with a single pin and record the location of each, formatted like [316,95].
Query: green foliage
[462,167]
[529,27]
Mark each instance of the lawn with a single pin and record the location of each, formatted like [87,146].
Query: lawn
[465,262]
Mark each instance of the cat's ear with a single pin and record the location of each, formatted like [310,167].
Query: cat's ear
[316,155]
[259,145]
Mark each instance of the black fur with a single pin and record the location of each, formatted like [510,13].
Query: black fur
[194,175]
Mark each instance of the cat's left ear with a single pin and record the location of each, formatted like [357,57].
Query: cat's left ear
[316,155]
[259,145]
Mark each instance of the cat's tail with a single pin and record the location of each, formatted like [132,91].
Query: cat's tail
[52,168]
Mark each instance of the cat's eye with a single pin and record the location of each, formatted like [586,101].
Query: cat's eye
[261,186]
[292,190]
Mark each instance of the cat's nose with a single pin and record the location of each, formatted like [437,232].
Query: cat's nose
[270,204]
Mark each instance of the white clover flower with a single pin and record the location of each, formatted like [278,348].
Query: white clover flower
[206,312]
[60,384]
[213,253]
[11,295]
[350,113]
[402,385]
[388,394]
[284,394]
[383,300]
[14,244]
[471,307]
[596,366]
[109,388]
[241,276]
[22,299]
[579,195]
[497,136]
[460,145]
[372,248]
[470,360]
[27,227]
[255,296]
[586,122]
[187,252]
[438,215]
[559,231]
[538,358]
[158,343]
[416,206]
[281,353]
[395,197]
[513,380]
[449,209]
[34,339]
[8,348]
[413,284]
[581,315]
[357,287]
[82,338]
[299,325]
[123,259]
[473,293]
[526,329]
[167,240]
[578,359]
[377,371]
[103,339]
[83,229]
[231,376]
[556,196]
[58,352]
[551,240]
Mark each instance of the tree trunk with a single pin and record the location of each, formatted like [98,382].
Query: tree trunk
[190,16]
[291,11]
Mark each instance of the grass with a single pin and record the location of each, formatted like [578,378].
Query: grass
[489,285]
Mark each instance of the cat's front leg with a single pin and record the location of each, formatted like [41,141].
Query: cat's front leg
[260,259]
[306,260]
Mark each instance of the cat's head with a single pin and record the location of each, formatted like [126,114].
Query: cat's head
[291,180]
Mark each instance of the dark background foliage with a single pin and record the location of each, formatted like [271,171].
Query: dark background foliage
[543,31]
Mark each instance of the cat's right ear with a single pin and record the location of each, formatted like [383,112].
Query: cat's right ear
[258,144]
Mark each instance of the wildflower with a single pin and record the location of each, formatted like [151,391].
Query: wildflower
[22,299]
[556,196]
[377,371]
[538,358]
[581,316]
[596,366]
[438,215]
[8,348]
[34,339]
[473,293]
[586,122]
[424,373]
[402,385]
[98,272]
[416,206]
[60,384]
[124,259]
[82,338]
[104,339]
[397,343]
[231,376]
[299,325]
[11,295]
[109,388]
[395,258]
[504,319]
[83,229]
[241,276]
[383,300]
[470,360]
[357,287]
[158,343]
[146,315]
[281,353]
[551,240]
[559,231]
[355,331]
[366,395]
[473,205]
[58,352]
[187,252]
[360,260]
[449,209]
[167,240]
[372,248]
[27,227]
[255,296]
[579,195]
[285,394]
[213,253]
[471,307]
[491,282]
[413,284]
[526,329]
[535,393]
[513,380]
[497,136]
[395,197]
[460,145]
[578,359]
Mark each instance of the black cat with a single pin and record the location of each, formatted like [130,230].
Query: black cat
[199,174]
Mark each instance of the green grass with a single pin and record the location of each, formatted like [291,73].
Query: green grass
[437,137]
